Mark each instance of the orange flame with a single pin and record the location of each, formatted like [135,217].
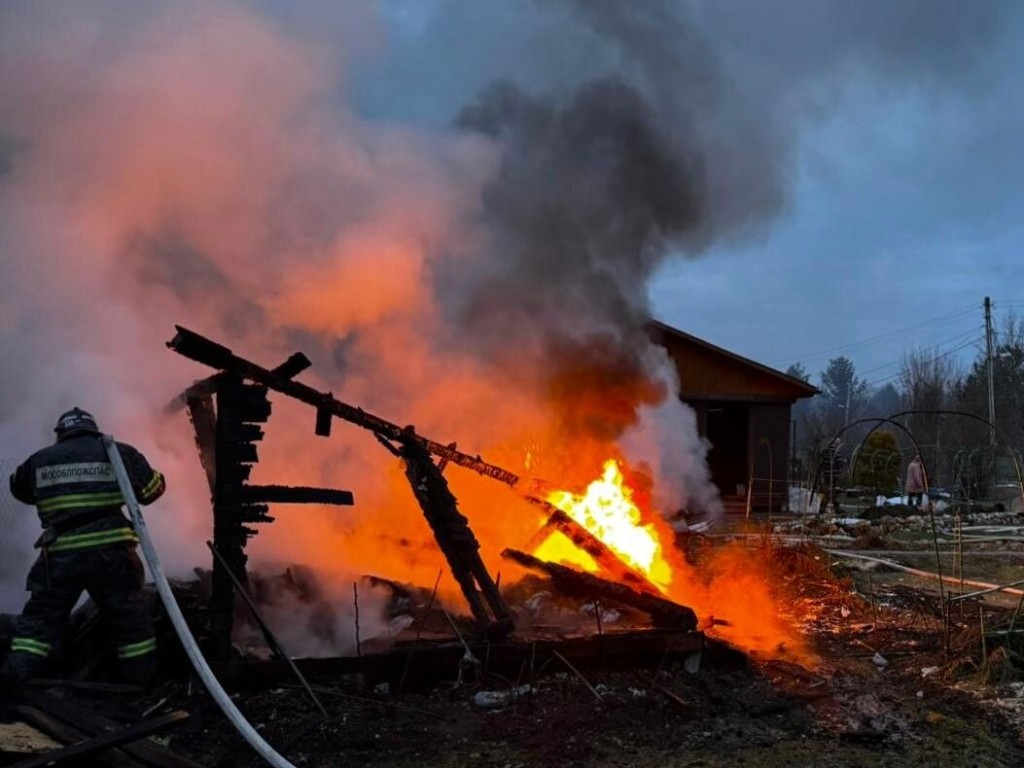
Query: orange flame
[734,584]
[607,510]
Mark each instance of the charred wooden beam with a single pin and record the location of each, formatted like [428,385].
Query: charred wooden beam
[203,350]
[96,745]
[204,424]
[285,494]
[426,664]
[241,408]
[454,537]
[83,722]
[66,734]
[227,415]
[616,568]
[664,613]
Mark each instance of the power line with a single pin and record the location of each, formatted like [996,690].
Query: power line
[948,353]
[972,333]
[881,338]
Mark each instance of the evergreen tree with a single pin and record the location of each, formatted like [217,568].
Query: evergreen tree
[797,371]
[878,463]
[883,402]
[842,392]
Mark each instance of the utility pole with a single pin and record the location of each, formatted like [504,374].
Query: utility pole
[989,366]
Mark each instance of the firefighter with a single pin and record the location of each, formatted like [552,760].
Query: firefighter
[87,544]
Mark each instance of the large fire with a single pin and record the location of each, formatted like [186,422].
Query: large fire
[731,591]
[606,509]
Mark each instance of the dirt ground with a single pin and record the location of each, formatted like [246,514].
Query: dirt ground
[761,715]
[898,681]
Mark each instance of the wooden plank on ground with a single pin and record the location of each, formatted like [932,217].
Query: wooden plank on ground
[92,723]
[429,663]
[66,734]
[97,745]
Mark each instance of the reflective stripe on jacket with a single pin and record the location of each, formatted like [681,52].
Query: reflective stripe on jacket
[72,480]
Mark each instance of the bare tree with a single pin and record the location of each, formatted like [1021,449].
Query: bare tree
[928,382]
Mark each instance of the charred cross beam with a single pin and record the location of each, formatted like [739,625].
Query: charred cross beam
[285,494]
[611,563]
[201,349]
[93,746]
[664,613]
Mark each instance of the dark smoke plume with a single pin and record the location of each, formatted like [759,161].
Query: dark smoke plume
[680,138]
[588,198]
[595,187]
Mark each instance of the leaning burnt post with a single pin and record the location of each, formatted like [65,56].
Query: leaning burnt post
[453,535]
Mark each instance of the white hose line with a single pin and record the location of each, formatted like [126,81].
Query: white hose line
[236,718]
[985,586]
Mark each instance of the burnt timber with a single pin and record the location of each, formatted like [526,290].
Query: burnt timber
[427,663]
[73,723]
[98,744]
[664,613]
[227,414]
[453,535]
[558,520]
[451,529]
[202,350]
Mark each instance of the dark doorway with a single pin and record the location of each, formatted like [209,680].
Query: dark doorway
[727,427]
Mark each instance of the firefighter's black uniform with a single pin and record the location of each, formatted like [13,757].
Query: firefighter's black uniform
[87,544]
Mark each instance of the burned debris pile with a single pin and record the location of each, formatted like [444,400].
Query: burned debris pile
[225,435]
[663,613]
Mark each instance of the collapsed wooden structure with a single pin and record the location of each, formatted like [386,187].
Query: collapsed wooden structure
[226,410]
[450,528]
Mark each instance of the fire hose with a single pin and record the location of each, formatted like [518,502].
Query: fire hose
[188,642]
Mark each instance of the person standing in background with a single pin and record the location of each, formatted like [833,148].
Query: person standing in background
[917,482]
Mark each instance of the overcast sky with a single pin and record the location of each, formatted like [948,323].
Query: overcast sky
[898,131]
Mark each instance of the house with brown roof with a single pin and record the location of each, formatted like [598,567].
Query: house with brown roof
[744,410]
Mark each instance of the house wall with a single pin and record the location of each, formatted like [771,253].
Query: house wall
[744,410]
[748,441]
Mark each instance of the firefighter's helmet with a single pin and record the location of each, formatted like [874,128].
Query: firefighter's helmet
[75,420]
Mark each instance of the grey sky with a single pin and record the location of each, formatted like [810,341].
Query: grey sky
[897,129]
[904,215]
